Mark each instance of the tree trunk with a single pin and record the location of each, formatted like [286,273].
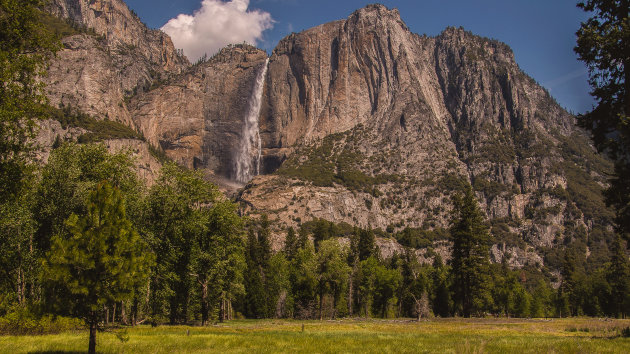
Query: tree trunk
[334,309]
[114,314]
[321,303]
[204,303]
[222,308]
[350,295]
[626,68]
[123,313]
[92,345]
[30,266]
[134,311]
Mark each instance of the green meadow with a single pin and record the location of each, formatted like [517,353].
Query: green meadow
[577,335]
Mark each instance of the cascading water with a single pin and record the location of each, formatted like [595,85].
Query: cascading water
[247,161]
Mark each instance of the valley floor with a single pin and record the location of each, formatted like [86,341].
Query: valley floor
[576,335]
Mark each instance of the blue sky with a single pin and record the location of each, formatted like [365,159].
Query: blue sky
[541,32]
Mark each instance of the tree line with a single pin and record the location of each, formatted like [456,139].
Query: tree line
[195,259]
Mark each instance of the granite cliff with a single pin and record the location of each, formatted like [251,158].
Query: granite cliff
[366,123]
[361,121]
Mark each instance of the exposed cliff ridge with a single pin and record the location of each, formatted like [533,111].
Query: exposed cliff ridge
[361,121]
[198,117]
[376,126]
[98,72]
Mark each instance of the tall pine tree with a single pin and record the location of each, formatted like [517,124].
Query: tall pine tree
[470,255]
[619,280]
[101,262]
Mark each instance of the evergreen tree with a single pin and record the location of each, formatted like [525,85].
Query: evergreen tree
[291,244]
[470,255]
[303,239]
[101,262]
[264,244]
[367,244]
[603,43]
[255,297]
[619,280]
[441,298]
[571,289]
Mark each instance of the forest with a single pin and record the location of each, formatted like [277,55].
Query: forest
[87,238]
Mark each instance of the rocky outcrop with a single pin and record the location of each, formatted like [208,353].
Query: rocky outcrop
[85,76]
[147,166]
[373,125]
[198,118]
[116,57]
[51,132]
[121,29]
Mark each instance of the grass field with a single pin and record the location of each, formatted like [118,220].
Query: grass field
[579,335]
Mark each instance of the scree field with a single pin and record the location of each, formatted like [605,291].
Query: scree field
[582,335]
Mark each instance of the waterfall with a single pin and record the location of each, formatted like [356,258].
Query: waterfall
[247,162]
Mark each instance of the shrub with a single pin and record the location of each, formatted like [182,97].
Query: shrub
[21,321]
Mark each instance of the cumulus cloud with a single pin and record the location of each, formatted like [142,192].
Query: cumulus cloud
[216,24]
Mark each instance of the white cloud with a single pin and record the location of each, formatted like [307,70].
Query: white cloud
[216,24]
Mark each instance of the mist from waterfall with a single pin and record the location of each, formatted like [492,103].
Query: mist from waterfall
[247,162]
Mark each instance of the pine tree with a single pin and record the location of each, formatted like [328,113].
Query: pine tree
[102,260]
[367,244]
[441,294]
[254,285]
[603,43]
[470,255]
[290,244]
[303,239]
[619,279]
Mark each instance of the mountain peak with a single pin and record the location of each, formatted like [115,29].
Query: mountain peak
[374,13]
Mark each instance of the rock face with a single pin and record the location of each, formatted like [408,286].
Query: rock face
[198,117]
[373,125]
[120,28]
[98,71]
[116,59]
[146,165]
[361,122]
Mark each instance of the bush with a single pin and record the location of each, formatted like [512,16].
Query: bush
[21,321]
